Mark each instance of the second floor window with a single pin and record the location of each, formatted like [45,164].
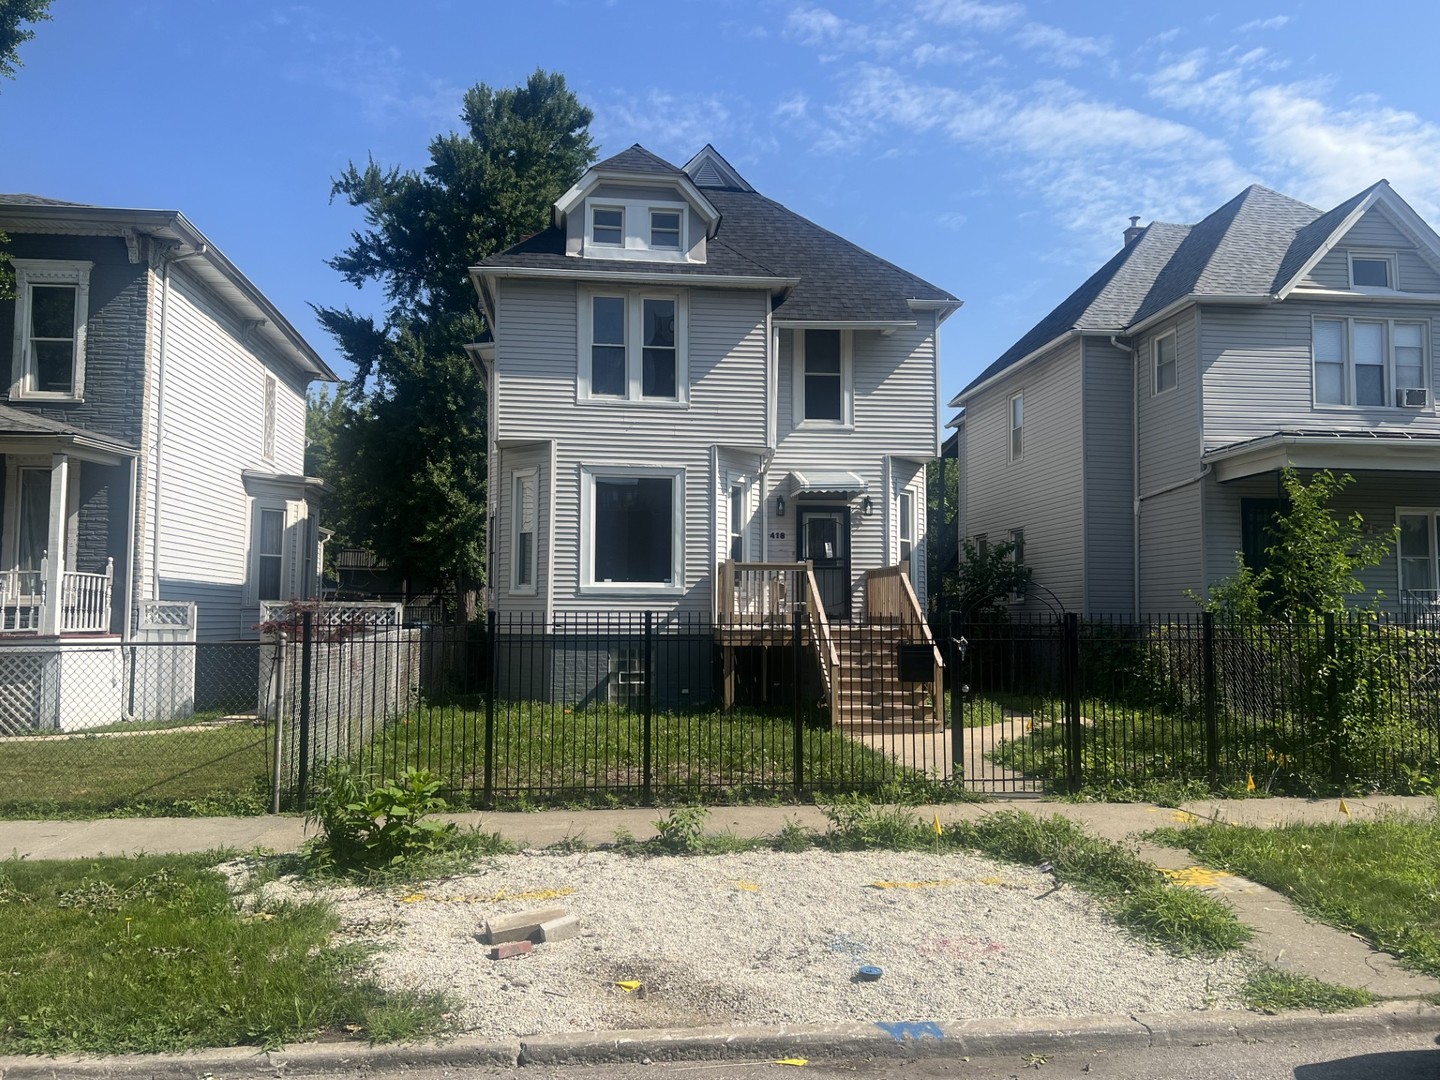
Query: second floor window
[636,347]
[51,302]
[1167,367]
[1017,427]
[823,379]
[1374,362]
[608,225]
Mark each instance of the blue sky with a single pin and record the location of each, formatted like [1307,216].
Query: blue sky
[996,148]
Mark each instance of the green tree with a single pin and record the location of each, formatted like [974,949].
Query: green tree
[14,13]
[408,455]
[985,580]
[1314,558]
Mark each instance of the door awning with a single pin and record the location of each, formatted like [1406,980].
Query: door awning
[826,482]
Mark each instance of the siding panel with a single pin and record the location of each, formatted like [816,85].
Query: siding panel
[1109,480]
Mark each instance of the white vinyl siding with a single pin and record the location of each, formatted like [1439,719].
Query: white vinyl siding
[207,519]
[1109,480]
[1375,232]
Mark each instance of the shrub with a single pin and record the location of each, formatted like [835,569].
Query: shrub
[365,825]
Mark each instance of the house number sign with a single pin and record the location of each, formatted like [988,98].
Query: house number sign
[777,534]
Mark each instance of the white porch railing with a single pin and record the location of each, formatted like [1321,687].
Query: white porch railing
[84,601]
[1420,604]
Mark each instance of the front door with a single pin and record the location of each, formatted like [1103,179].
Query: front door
[825,541]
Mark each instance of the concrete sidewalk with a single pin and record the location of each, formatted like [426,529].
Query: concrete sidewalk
[1113,821]
[1285,937]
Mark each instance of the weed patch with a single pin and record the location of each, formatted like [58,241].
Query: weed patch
[1272,990]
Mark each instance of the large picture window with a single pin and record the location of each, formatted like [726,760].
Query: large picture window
[1381,363]
[632,521]
[51,306]
[633,347]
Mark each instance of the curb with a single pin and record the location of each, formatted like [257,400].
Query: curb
[995,1037]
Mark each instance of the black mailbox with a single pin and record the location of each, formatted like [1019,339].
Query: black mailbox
[915,663]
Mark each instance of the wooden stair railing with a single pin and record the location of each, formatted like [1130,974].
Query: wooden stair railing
[889,597]
[825,652]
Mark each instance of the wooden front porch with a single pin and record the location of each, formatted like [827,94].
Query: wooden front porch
[884,673]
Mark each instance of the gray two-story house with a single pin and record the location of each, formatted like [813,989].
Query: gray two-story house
[703,404]
[1132,441]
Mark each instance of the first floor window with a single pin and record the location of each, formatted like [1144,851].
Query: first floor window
[1017,557]
[636,346]
[737,522]
[525,512]
[634,530]
[270,554]
[1374,362]
[1017,427]
[51,307]
[1419,572]
[907,525]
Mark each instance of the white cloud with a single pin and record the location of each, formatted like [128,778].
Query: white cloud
[674,126]
[1060,47]
[822,28]
[793,108]
[971,13]
[1275,22]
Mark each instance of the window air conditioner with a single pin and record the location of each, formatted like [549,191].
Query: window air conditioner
[1412,397]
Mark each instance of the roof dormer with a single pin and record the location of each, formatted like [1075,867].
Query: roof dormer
[635,206]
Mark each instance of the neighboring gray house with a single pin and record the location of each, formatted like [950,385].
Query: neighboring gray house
[153,435]
[1133,439]
[689,382]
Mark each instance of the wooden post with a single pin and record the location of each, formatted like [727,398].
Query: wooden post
[52,614]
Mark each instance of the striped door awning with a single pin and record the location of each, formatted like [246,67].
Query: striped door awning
[827,482]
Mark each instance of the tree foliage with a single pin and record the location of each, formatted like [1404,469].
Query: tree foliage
[13,34]
[985,580]
[407,446]
[1314,558]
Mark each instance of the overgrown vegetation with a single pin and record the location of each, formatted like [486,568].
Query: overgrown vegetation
[987,576]
[1379,879]
[150,954]
[1272,990]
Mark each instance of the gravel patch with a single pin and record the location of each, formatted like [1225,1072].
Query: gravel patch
[766,938]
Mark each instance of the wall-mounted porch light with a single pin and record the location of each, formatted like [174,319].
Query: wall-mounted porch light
[867,506]
[779,505]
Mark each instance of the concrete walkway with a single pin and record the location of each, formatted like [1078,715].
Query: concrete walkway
[1285,937]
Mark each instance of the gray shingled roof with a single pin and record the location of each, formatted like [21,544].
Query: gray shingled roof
[758,237]
[1251,246]
[637,159]
[19,422]
[24,199]
[1106,301]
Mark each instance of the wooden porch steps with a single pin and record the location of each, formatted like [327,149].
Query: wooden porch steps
[870,694]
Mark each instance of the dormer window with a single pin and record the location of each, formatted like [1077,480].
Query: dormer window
[608,225]
[665,229]
[1372,271]
[639,229]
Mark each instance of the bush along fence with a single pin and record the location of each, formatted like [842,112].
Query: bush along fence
[1330,704]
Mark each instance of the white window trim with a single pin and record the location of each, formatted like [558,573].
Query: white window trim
[32,272]
[635,231]
[1391,385]
[588,585]
[258,504]
[1377,256]
[531,474]
[745,514]
[1155,390]
[634,347]
[847,382]
[1433,514]
[1010,427]
[905,522]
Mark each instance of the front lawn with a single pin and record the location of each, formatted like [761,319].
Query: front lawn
[218,770]
[550,754]
[149,954]
[1379,879]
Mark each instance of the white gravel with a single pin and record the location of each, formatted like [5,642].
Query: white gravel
[766,938]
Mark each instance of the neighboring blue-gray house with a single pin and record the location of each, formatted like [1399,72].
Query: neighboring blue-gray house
[1133,439]
[153,435]
[694,392]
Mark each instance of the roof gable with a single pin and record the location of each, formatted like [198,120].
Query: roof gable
[709,170]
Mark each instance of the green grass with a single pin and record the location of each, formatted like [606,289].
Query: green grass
[1271,990]
[220,770]
[1379,879]
[547,755]
[149,954]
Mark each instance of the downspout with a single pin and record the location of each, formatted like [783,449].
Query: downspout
[1134,478]
[166,260]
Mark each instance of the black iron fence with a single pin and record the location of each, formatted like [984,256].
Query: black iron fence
[624,709]
[1339,703]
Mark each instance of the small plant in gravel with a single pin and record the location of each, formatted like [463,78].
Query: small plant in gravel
[794,838]
[370,825]
[856,824]
[1272,990]
[682,830]
[569,844]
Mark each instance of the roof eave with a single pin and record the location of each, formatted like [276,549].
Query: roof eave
[943,308]
[491,274]
[1176,306]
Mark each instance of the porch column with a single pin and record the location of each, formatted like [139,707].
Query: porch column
[55,545]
